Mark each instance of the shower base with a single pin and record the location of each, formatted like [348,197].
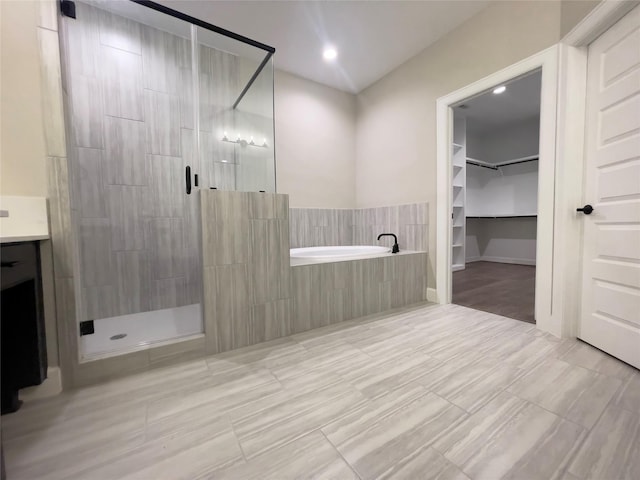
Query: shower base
[116,335]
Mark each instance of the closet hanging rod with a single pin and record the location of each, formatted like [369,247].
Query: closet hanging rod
[480,163]
[496,166]
[515,161]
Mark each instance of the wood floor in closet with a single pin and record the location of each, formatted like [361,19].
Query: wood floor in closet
[500,288]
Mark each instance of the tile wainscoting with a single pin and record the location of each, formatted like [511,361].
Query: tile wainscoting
[253,295]
[310,227]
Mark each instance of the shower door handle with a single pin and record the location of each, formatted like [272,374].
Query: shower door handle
[188,179]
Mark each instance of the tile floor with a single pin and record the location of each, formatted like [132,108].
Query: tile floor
[427,392]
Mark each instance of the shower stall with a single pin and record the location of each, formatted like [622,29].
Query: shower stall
[159,105]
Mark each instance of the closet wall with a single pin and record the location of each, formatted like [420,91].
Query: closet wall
[511,191]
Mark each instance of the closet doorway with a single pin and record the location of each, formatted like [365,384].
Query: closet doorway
[494,188]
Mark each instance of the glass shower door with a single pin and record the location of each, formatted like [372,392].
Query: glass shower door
[129,75]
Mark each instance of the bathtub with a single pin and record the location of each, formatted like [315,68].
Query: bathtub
[334,254]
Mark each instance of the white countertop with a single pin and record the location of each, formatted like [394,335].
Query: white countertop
[22,238]
[23,219]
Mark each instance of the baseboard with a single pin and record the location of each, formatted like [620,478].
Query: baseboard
[432,295]
[51,387]
[473,259]
[516,261]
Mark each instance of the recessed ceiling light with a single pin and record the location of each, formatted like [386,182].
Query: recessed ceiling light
[499,89]
[330,53]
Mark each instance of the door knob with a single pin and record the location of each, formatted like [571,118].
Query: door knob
[587,209]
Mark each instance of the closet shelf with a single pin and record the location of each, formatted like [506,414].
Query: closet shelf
[457,145]
[458,245]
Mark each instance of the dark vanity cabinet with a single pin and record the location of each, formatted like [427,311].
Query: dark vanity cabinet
[24,351]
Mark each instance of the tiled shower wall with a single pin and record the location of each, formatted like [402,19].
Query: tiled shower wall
[311,227]
[131,118]
[129,107]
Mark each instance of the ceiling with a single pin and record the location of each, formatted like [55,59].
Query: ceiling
[519,102]
[372,38]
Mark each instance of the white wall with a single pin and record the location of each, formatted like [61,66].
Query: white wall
[396,134]
[315,143]
[507,240]
[511,190]
[518,140]
[22,148]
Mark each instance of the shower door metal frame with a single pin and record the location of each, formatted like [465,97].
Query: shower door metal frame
[222,31]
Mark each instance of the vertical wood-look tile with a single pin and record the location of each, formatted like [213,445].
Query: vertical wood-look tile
[89,181]
[50,73]
[188,148]
[82,41]
[119,32]
[301,292]
[168,293]
[167,186]
[162,125]
[258,262]
[86,111]
[225,227]
[231,306]
[186,98]
[124,161]
[133,283]
[99,302]
[95,252]
[165,241]
[282,260]
[122,83]
[161,54]
[60,216]
[126,208]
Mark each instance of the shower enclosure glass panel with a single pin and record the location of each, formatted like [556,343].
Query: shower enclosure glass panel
[148,95]
[254,120]
[235,87]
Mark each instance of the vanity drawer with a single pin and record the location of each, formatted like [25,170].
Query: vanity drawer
[19,263]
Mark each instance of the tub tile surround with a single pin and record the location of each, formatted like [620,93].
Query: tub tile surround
[311,227]
[253,294]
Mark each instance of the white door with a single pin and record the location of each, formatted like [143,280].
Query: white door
[611,265]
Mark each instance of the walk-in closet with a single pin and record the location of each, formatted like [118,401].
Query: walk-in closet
[495,199]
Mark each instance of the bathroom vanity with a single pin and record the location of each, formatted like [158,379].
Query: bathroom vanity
[24,352]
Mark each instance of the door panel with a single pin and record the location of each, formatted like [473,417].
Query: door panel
[611,249]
